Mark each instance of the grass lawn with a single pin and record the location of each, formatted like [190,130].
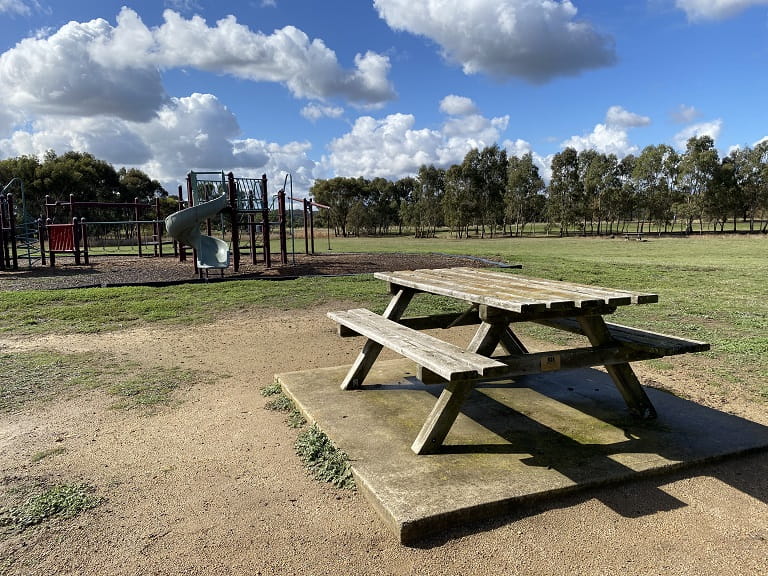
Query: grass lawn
[711,288]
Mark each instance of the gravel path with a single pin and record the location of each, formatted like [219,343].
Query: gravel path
[120,270]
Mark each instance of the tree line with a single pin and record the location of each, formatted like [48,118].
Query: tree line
[589,193]
[81,174]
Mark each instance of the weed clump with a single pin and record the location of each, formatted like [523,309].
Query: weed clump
[62,500]
[324,461]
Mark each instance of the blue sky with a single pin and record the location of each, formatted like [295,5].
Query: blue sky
[374,87]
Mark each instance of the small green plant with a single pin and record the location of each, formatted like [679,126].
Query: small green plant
[271,389]
[280,403]
[296,419]
[323,460]
[62,500]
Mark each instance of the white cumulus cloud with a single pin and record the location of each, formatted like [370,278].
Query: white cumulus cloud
[715,9]
[393,147]
[93,68]
[610,137]
[457,105]
[621,118]
[57,75]
[314,112]
[712,129]
[535,40]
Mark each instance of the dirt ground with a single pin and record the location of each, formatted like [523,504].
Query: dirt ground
[212,485]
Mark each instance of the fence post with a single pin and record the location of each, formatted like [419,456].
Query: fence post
[12,227]
[281,225]
[3,241]
[234,220]
[265,221]
[76,238]
[84,238]
[305,204]
[41,236]
[157,228]
[52,254]
[138,223]
[311,227]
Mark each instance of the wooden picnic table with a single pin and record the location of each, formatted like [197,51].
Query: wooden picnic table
[496,302]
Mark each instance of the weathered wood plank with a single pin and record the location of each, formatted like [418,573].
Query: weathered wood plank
[557,293]
[651,342]
[511,291]
[468,293]
[443,321]
[475,281]
[444,359]
[611,296]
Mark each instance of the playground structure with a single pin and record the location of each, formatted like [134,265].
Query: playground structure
[246,203]
[243,206]
[72,236]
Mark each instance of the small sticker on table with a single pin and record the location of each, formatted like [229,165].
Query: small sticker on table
[550,362]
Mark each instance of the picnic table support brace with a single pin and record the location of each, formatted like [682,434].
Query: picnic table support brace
[623,376]
[493,330]
[453,396]
[371,349]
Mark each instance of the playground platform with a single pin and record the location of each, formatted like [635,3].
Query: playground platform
[534,438]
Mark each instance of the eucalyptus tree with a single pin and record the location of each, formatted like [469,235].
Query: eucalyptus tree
[655,175]
[382,204]
[486,172]
[136,185]
[403,190]
[423,209]
[459,202]
[724,195]
[79,174]
[698,167]
[598,173]
[339,194]
[26,170]
[751,172]
[565,190]
[524,185]
[620,201]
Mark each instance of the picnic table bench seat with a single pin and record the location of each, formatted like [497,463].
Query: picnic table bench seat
[444,359]
[653,344]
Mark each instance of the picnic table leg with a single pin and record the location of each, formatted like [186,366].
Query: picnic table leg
[442,417]
[453,396]
[623,376]
[371,349]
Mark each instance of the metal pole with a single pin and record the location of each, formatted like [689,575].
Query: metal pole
[293,240]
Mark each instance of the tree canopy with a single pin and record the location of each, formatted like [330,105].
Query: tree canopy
[589,192]
[81,174]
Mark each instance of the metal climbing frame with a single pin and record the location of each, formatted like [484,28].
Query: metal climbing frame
[19,232]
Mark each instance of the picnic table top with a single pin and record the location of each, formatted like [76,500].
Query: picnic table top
[513,292]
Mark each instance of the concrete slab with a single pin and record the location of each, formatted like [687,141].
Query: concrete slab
[534,437]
